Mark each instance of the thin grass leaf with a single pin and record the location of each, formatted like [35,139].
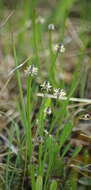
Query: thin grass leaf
[53,185]
[39,183]
[76,152]
[66,133]
[31,171]
[62,10]
[66,150]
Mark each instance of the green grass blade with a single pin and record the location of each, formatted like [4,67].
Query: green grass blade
[66,133]
[39,183]
[53,185]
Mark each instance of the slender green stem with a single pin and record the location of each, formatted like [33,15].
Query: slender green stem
[28,110]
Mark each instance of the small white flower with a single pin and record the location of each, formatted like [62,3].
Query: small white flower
[46,86]
[31,70]
[51,27]
[59,93]
[28,24]
[48,111]
[51,136]
[46,132]
[59,48]
[62,49]
[40,20]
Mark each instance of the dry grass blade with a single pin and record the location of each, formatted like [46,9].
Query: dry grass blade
[65,98]
[19,66]
[6,20]
[9,145]
[12,72]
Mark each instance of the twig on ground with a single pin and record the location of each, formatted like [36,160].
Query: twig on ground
[65,98]
[6,20]
[9,145]
[10,75]
[18,67]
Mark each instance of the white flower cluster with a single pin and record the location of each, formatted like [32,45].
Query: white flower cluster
[48,111]
[46,86]
[31,70]
[40,20]
[57,91]
[59,48]
[51,27]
